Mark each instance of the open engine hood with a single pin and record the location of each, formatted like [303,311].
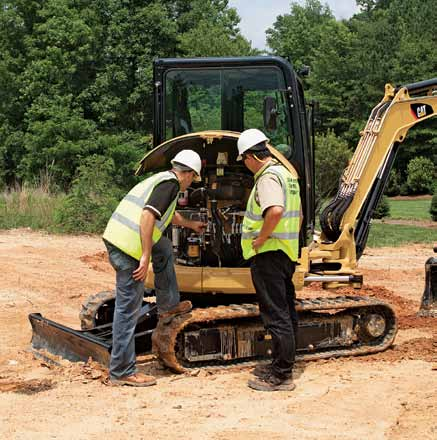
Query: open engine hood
[207,144]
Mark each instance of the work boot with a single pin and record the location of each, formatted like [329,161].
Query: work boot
[262,370]
[271,383]
[179,309]
[135,380]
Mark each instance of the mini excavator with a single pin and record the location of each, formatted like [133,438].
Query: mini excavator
[203,104]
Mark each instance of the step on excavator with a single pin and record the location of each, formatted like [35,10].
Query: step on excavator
[203,104]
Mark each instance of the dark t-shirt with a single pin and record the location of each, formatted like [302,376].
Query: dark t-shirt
[162,197]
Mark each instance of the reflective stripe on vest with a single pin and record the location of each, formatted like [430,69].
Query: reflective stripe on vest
[285,236]
[123,228]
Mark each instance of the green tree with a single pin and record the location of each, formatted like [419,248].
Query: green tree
[416,60]
[212,19]
[333,82]
[297,35]
[352,60]
[331,158]
[92,198]
[394,183]
[383,208]
[391,48]
[421,175]
[16,22]
[76,77]
[370,5]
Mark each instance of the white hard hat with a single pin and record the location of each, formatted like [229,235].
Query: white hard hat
[191,160]
[248,139]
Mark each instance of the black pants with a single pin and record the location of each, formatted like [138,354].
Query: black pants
[271,275]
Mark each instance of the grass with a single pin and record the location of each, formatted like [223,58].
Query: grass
[28,207]
[410,209]
[383,234]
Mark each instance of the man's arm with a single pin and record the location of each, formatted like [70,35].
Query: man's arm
[272,202]
[271,219]
[180,220]
[147,222]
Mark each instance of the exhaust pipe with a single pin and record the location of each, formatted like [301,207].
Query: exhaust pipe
[428,306]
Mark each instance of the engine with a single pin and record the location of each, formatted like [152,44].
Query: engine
[220,203]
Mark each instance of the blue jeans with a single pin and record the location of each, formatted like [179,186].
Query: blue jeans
[129,298]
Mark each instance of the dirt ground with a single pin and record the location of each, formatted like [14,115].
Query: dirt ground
[392,395]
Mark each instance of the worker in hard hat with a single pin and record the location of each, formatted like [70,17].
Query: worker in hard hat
[133,237]
[270,240]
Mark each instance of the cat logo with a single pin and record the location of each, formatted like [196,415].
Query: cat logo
[421,110]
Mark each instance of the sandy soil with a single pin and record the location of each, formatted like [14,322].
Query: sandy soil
[392,395]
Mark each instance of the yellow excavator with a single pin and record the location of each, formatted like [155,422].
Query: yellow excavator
[203,104]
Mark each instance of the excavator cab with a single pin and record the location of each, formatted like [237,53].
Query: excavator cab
[229,95]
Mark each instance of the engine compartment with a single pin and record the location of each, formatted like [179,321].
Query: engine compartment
[219,201]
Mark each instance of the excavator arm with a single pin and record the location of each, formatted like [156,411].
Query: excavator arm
[345,221]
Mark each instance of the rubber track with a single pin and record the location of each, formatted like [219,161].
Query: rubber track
[165,335]
[90,308]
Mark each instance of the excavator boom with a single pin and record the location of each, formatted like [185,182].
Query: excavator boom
[345,222]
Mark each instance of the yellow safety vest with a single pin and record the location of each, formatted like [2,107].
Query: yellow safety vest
[285,236]
[123,228]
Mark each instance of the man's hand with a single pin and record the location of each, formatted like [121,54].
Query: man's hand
[180,220]
[140,273]
[197,226]
[147,222]
[258,242]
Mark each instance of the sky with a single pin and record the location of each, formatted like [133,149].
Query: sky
[258,15]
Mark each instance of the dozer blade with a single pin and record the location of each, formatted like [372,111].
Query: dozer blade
[60,340]
[428,306]
[80,345]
